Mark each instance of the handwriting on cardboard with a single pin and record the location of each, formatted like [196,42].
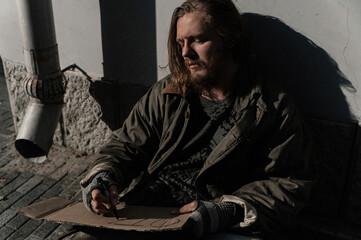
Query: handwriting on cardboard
[138,218]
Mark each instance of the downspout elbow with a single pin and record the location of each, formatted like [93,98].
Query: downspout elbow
[44,82]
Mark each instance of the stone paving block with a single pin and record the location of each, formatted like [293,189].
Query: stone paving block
[30,197]
[9,201]
[59,173]
[5,140]
[78,169]
[49,167]
[8,177]
[30,184]
[5,157]
[71,190]
[3,161]
[61,230]
[15,184]
[3,150]
[77,194]
[25,230]
[5,232]
[31,237]
[44,230]
[6,216]
[78,197]
[68,180]
[14,162]
[3,146]
[6,122]
[82,175]
[49,182]
[53,191]
[27,175]
[17,221]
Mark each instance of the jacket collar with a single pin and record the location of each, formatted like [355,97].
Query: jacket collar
[183,91]
[172,88]
[248,90]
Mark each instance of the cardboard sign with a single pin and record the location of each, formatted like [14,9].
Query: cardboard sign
[138,218]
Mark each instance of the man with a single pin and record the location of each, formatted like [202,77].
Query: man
[214,138]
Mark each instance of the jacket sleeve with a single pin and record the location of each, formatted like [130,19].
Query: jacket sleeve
[131,148]
[273,202]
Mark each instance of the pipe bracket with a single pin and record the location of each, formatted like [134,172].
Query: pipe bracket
[42,60]
[50,90]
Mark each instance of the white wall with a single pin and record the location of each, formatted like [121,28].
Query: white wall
[11,46]
[164,10]
[111,39]
[333,25]
[78,32]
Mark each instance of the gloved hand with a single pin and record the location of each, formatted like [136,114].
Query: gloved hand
[94,200]
[208,217]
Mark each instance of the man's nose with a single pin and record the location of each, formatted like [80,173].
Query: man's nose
[187,51]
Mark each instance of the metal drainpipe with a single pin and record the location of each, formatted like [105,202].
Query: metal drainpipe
[44,82]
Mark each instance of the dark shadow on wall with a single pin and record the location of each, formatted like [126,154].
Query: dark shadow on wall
[129,57]
[1,66]
[129,41]
[311,76]
[315,81]
[116,100]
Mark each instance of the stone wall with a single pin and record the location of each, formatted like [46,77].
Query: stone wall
[80,126]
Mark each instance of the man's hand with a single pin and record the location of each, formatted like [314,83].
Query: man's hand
[188,208]
[100,204]
[208,217]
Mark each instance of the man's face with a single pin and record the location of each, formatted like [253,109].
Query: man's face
[202,48]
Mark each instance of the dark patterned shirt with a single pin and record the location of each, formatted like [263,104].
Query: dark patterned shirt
[210,123]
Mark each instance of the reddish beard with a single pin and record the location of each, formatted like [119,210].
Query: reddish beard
[205,81]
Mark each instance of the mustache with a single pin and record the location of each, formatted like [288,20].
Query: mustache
[192,62]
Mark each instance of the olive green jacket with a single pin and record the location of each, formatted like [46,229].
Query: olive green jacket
[260,164]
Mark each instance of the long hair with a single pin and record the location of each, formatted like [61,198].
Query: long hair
[226,20]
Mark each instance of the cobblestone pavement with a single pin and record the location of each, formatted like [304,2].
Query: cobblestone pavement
[23,182]
[6,120]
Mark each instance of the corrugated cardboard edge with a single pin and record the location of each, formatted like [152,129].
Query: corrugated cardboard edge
[152,219]
[42,209]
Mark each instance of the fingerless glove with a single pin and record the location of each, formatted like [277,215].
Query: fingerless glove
[86,192]
[211,217]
